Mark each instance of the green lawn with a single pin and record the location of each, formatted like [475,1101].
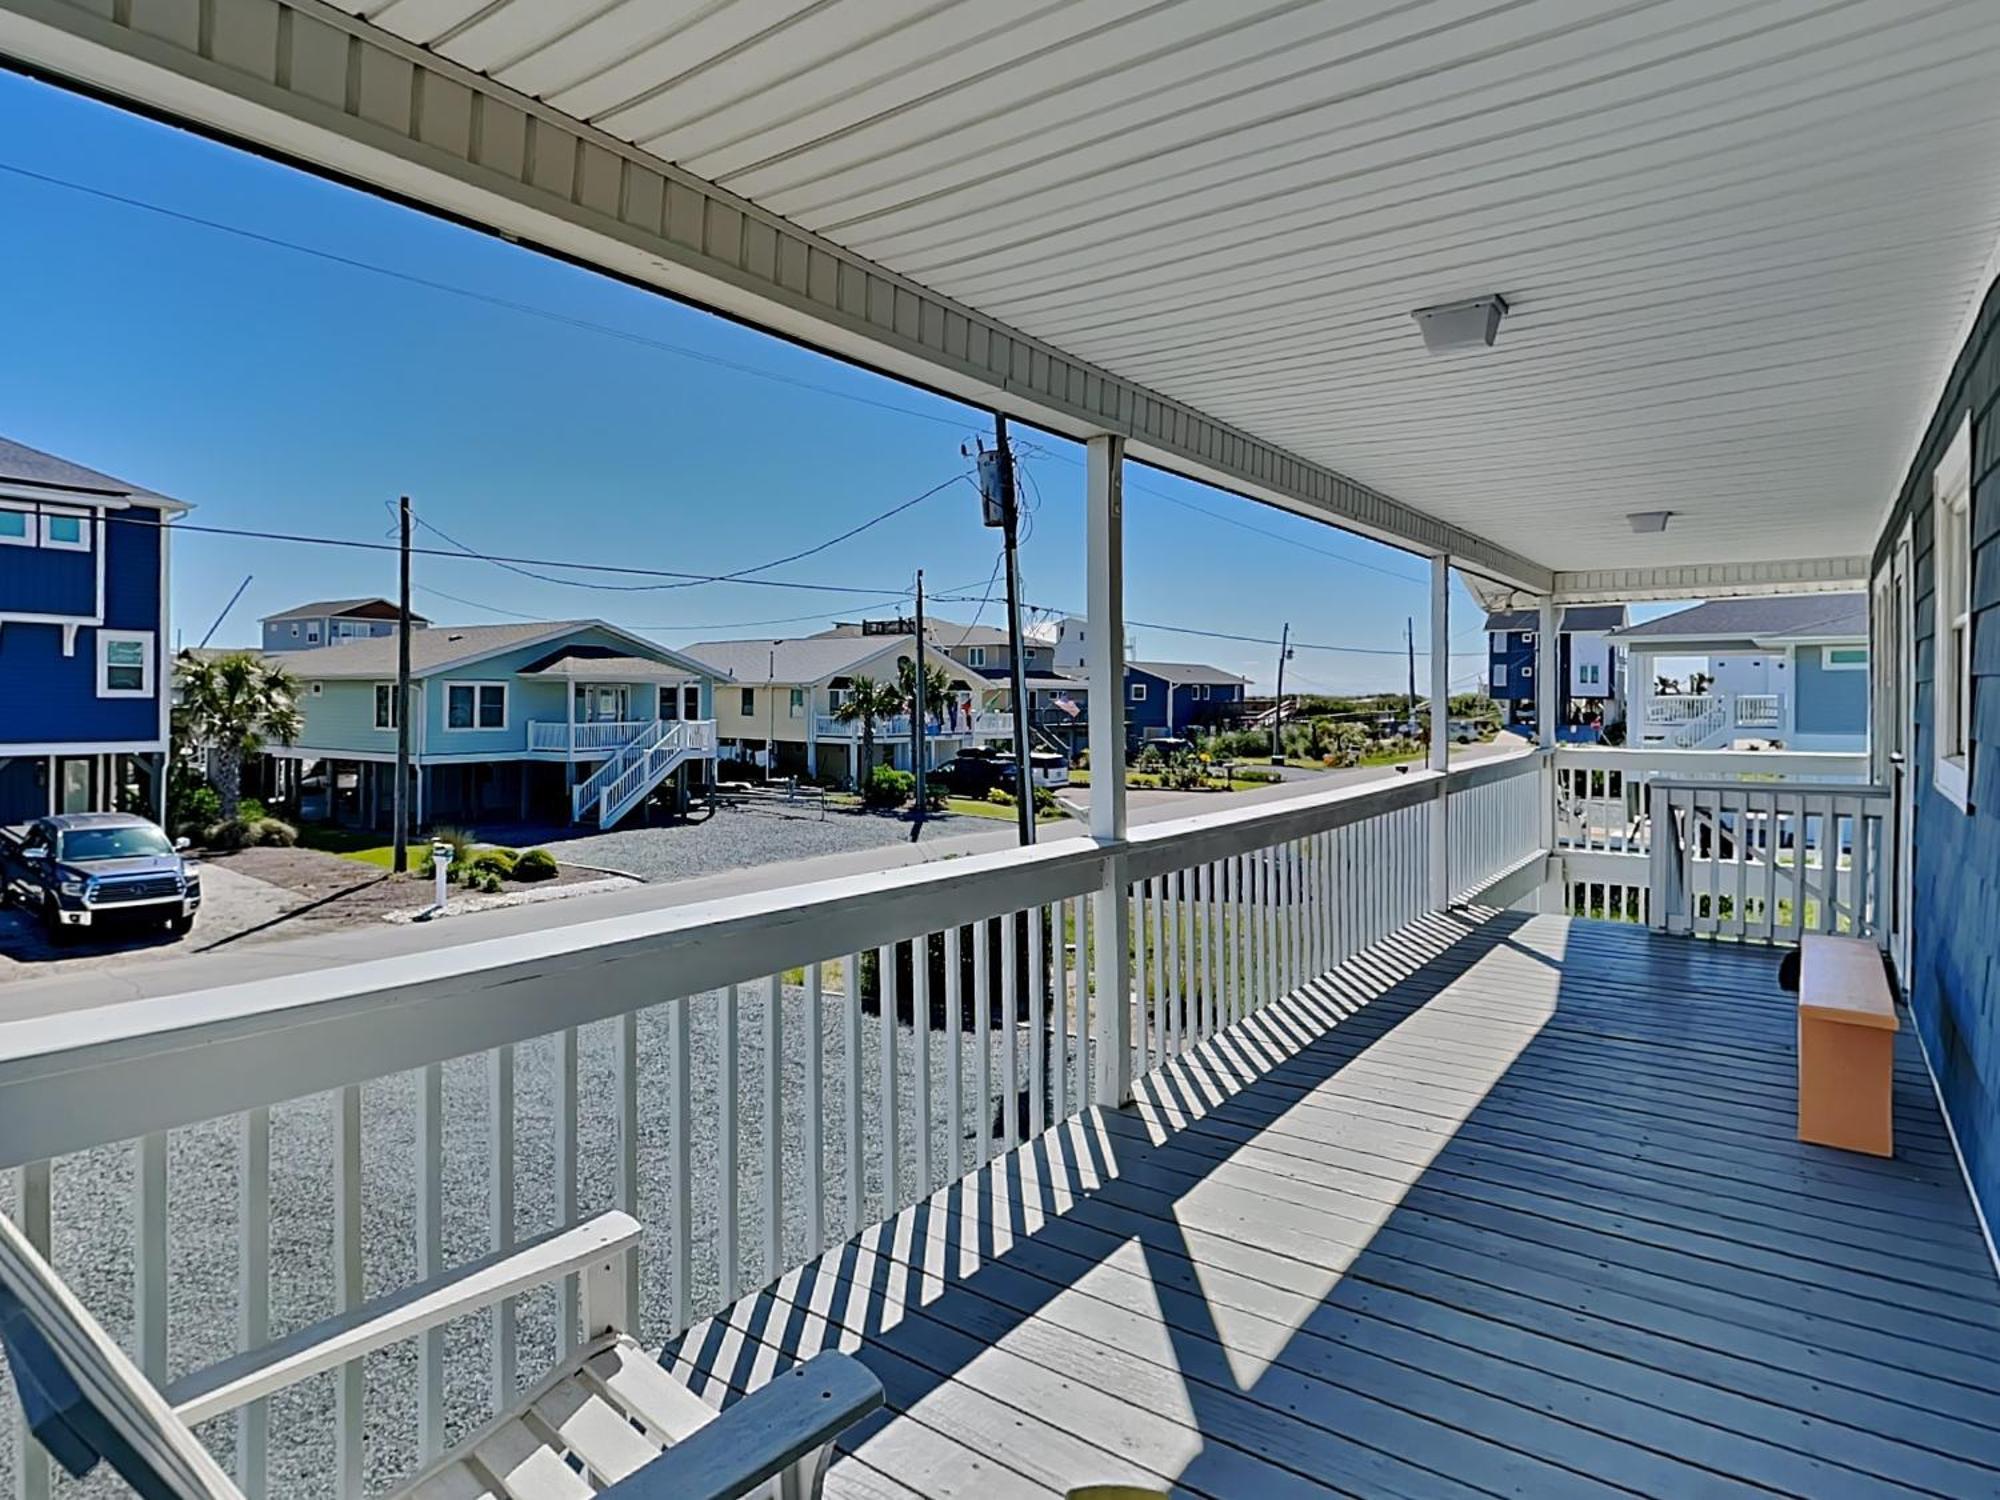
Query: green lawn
[366,848]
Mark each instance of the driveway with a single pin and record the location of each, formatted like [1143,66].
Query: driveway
[232,904]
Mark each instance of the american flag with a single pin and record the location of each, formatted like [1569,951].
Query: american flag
[1067,705]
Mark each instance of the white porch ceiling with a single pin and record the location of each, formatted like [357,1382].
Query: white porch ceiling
[1740,238]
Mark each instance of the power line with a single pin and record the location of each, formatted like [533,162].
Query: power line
[740,575]
[490,299]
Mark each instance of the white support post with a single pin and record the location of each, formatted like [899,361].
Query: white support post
[1105,567]
[1548,668]
[1440,756]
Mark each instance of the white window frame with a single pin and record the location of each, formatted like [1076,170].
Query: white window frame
[795,703]
[65,512]
[30,527]
[477,690]
[976,656]
[1138,692]
[145,638]
[1828,664]
[379,689]
[1951,641]
[314,689]
[1499,674]
[746,705]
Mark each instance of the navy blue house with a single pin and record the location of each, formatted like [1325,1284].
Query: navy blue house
[84,671]
[1585,658]
[1173,697]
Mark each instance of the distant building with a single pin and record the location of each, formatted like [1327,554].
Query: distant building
[330,622]
[1173,697]
[1587,658]
[85,672]
[1791,670]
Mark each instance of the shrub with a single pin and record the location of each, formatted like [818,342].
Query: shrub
[244,833]
[484,881]
[536,864]
[1000,797]
[498,862]
[1257,775]
[193,809]
[887,787]
[461,840]
[251,810]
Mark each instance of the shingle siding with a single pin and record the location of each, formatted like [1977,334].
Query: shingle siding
[1954,978]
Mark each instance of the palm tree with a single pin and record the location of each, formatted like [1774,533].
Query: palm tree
[937,688]
[231,706]
[868,700]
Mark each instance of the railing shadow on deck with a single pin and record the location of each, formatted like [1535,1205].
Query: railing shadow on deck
[1463,1316]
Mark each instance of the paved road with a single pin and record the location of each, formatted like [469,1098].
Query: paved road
[246,964]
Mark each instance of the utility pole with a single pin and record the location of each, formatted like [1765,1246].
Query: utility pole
[1003,511]
[401,802]
[1410,640]
[917,712]
[1278,707]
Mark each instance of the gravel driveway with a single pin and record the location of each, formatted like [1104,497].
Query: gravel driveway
[735,838]
[93,1208]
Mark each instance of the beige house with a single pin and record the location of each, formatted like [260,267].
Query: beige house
[781,707]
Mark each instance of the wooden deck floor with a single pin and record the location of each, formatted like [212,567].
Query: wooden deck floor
[1508,1206]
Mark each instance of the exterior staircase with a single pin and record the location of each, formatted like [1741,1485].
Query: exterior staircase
[631,772]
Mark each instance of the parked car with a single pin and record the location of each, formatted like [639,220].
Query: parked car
[104,870]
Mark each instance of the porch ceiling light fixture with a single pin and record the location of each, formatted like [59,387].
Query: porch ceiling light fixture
[1649,520]
[1461,325]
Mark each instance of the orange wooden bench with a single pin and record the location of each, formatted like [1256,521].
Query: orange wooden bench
[1847,1042]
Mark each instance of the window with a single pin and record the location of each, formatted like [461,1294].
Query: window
[475,705]
[312,633]
[691,700]
[798,703]
[385,705]
[124,664]
[749,704]
[1951,488]
[1845,658]
[1586,673]
[66,530]
[1527,637]
[1138,692]
[295,630]
[1527,672]
[976,656]
[670,703]
[315,688]
[1201,690]
[1499,674]
[17,527]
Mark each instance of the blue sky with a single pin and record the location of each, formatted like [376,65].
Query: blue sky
[590,421]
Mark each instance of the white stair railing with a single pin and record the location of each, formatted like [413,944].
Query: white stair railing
[587,792]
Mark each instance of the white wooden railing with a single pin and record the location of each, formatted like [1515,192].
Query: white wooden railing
[1681,708]
[1759,710]
[750,1077]
[1769,861]
[1603,830]
[590,739]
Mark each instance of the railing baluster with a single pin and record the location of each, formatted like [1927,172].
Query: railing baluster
[857,1179]
[890,1118]
[33,1201]
[773,1185]
[1081,989]
[500,1212]
[728,1184]
[920,1030]
[982,1024]
[813,1124]
[1157,1001]
[1038,1047]
[149,1264]
[566,1185]
[430,1255]
[954,1053]
[680,1148]
[1058,1042]
[1142,1033]
[1010,1040]
[1202,952]
[1170,960]
[348,1286]
[253,1290]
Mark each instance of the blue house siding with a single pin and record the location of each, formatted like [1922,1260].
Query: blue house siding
[49,698]
[1172,705]
[1827,702]
[46,581]
[1954,978]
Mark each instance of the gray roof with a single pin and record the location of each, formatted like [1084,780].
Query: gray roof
[1184,671]
[584,665]
[321,609]
[1784,617]
[805,659]
[1576,617]
[438,648]
[20,464]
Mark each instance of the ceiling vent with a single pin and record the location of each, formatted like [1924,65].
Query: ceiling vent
[1461,325]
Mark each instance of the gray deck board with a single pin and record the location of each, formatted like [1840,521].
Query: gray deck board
[1502,1206]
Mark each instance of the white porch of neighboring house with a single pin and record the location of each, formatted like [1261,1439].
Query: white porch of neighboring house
[1779,672]
[1304,1147]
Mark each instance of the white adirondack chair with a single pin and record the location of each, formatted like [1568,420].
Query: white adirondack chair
[608,1422]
